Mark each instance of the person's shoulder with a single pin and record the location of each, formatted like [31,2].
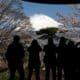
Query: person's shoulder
[29,48]
[54,45]
[39,46]
[45,46]
[10,45]
[20,44]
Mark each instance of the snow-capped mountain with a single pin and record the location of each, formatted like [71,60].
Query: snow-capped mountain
[37,21]
[41,21]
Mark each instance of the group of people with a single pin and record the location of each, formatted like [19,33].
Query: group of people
[58,59]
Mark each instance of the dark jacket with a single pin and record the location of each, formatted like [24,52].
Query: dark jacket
[34,58]
[15,52]
[50,54]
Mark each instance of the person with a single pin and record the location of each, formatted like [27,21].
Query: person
[50,59]
[34,59]
[77,61]
[69,61]
[14,55]
[61,49]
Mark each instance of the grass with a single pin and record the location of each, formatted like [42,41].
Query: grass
[5,75]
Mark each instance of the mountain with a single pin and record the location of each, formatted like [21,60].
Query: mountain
[41,21]
[28,26]
[35,23]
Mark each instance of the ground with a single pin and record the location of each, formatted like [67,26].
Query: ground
[5,75]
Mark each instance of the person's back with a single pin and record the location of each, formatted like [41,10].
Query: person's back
[15,52]
[14,56]
[34,50]
[50,59]
[70,52]
[77,61]
[69,61]
[50,53]
[61,50]
[77,57]
[34,59]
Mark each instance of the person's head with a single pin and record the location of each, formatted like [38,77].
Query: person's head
[34,42]
[63,39]
[16,39]
[50,40]
[71,43]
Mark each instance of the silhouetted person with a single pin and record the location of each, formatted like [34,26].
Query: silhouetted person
[69,61]
[77,61]
[34,59]
[68,57]
[60,59]
[50,59]
[14,56]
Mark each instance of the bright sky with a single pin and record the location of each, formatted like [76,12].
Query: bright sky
[47,9]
